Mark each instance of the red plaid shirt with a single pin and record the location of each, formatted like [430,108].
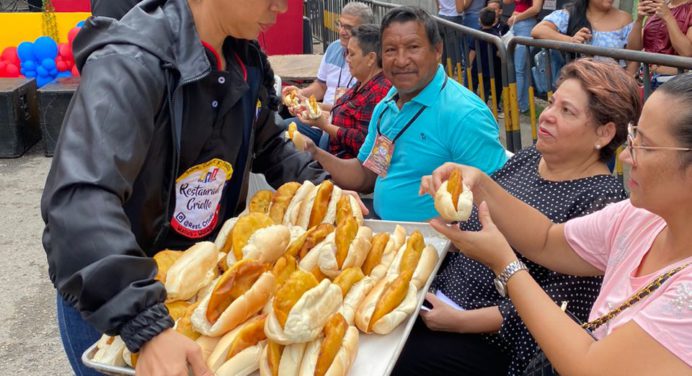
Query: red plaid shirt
[352,113]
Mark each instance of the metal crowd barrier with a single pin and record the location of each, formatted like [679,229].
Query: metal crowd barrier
[456,52]
[643,58]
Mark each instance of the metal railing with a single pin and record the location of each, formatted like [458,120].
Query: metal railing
[643,58]
[456,47]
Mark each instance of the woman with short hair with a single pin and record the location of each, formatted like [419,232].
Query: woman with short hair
[563,176]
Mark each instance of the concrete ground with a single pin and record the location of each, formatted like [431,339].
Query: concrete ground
[29,339]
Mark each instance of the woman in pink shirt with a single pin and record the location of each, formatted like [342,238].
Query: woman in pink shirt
[630,243]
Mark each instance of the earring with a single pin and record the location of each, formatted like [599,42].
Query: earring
[598,147]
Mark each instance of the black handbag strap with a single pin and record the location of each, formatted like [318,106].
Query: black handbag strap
[639,295]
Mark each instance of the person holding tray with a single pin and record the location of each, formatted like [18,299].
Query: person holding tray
[175,107]
[563,176]
[640,323]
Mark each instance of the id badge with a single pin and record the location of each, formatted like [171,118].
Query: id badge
[380,156]
[339,92]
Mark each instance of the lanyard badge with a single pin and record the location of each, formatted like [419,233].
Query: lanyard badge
[380,156]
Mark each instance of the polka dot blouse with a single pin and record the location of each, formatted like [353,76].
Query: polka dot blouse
[470,284]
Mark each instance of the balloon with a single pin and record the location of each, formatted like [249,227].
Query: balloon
[72,33]
[61,65]
[25,51]
[65,50]
[9,54]
[29,74]
[45,48]
[12,70]
[48,64]
[41,71]
[29,65]
[75,71]
[65,74]
[42,80]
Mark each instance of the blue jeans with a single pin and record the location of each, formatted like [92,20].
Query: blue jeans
[320,138]
[473,21]
[521,54]
[77,335]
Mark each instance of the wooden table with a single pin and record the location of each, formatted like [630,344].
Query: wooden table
[296,69]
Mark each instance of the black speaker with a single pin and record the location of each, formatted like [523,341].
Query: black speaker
[53,100]
[19,125]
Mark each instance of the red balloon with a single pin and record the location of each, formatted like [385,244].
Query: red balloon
[9,54]
[73,33]
[61,65]
[64,49]
[12,70]
[75,72]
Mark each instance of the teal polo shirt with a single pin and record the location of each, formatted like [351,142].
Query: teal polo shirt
[456,126]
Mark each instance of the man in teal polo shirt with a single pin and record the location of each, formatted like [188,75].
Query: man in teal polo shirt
[425,120]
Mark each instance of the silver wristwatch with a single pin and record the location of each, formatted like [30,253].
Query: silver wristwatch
[501,280]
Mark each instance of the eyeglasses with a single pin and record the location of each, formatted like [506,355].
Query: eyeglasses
[632,135]
[347,28]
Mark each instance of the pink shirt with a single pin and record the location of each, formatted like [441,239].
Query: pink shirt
[615,240]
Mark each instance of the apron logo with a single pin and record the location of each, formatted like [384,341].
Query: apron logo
[198,196]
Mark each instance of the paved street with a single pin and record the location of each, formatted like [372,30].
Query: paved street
[29,340]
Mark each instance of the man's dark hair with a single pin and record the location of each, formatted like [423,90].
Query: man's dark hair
[368,37]
[406,14]
[487,17]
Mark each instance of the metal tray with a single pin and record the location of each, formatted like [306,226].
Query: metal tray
[377,354]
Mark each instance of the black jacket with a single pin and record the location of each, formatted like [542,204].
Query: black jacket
[109,193]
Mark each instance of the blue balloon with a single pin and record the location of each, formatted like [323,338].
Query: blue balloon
[53,72]
[45,48]
[49,64]
[25,50]
[29,73]
[64,74]
[29,65]
[41,71]
[42,80]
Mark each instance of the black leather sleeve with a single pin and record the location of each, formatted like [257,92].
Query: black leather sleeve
[94,259]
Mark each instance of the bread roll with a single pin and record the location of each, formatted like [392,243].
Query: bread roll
[280,200]
[294,207]
[191,271]
[357,251]
[450,211]
[355,297]
[333,354]
[396,313]
[396,240]
[426,263]
[307,316]
[241,275]
[294,135]
[233,347]
[265,245]
[110,351]
[223,238]
[288,362]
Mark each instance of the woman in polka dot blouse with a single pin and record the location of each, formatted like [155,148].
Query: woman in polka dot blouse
[564,176]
